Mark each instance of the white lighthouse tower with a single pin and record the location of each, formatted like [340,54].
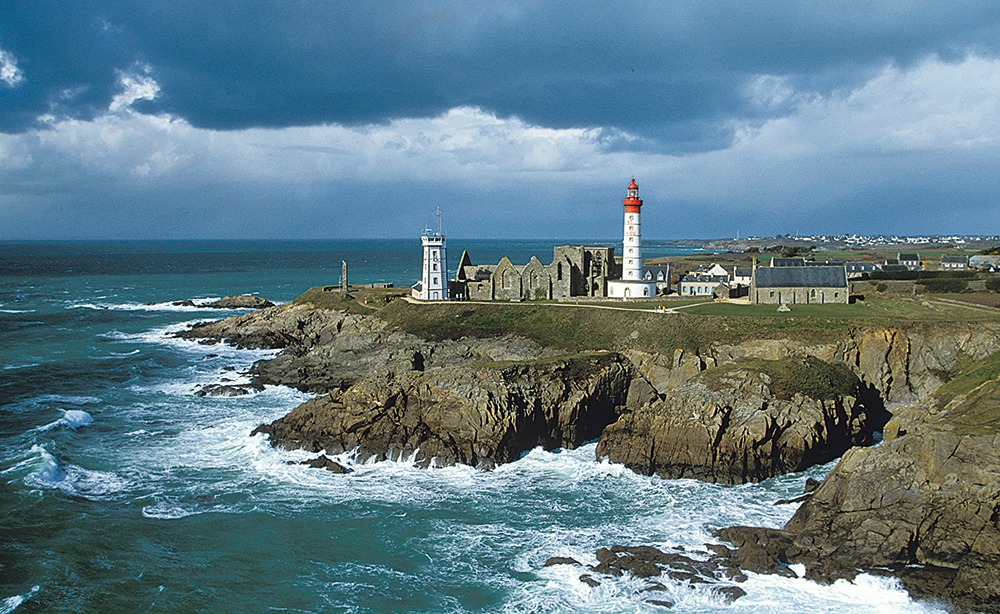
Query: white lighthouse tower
[632,284]
[433,284]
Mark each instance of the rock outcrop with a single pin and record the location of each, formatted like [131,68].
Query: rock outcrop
[902,363]
[744,424]
[923,506]
[330,350]
[241,301]
[479,414]
[646,562]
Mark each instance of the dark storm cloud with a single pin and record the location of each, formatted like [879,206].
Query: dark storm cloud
[670,72]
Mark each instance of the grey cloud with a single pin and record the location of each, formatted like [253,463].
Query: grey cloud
[673,73]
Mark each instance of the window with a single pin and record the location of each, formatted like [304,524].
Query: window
[434,267]
[434,281]
[772,294]
[559,271]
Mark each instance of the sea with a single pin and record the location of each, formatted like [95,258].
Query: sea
[123,491]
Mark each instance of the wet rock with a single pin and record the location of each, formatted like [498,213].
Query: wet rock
[184,303]
[731,593]
[810,487]
[224,390]
[325,462]
[760,550]
[560,560]
[650,562]
[663,603]
[589,581]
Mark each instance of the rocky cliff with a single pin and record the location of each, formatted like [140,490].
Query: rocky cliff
[735,424]
[903,363]
[330,350]
[477,414]
[923,506]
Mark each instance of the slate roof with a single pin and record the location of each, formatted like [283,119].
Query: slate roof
[801,277]
[706,278]
[955,259]
[861,267]
[776,262]
[909,257]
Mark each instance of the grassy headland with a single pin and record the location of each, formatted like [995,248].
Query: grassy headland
[588,327]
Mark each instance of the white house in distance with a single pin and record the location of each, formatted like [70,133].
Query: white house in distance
[704,281]
[433,284]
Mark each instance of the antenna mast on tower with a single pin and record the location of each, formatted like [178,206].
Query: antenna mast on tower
[437,215]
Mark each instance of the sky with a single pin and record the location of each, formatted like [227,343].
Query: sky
[312,119]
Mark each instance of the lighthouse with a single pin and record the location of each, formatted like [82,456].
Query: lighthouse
[632,284]
[433,284]
[632,242]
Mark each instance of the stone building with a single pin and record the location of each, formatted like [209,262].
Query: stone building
[799,285]
[575,270]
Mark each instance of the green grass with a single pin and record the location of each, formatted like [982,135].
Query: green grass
[811,377]
[581,328]
[359,300]
[979,412]
[797,311]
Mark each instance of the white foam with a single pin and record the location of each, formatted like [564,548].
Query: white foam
[64,399]
[164,306]
[77,418]
[199,305]
[18,310]
[72,418]
[27,365]
[72,479]
[866,593]
[10,604]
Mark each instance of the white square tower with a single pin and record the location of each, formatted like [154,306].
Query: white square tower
[433,284]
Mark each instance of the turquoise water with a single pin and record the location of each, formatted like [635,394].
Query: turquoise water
[122,491]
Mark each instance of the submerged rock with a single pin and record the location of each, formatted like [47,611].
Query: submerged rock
[478,415]
[735,424]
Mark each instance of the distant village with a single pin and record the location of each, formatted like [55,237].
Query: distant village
[593,271]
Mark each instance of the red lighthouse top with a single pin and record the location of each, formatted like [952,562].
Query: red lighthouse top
[632,202]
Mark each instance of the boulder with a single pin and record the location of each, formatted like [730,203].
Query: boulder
[224,390]
[649,562]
